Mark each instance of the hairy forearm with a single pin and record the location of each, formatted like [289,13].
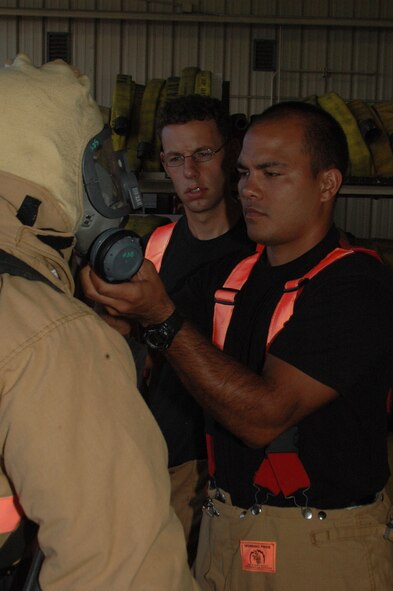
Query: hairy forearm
[239,399]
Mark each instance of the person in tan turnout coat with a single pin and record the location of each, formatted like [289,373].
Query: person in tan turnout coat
[81,455]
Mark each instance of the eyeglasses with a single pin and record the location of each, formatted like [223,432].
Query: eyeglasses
[201,155]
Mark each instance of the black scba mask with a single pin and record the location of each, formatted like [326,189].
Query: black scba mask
[111,194]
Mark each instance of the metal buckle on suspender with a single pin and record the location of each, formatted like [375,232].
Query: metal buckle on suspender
[208,505]
[256,509]
[298,285]
[209,508]
[220,496]
[227,290]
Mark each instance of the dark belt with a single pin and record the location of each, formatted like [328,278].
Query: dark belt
[364,501]
[367,500]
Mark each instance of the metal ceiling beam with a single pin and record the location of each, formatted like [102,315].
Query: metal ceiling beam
[197,18]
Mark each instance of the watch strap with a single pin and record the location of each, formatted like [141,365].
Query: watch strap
[160,336]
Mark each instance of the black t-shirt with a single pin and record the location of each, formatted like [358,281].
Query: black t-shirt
[180,418]
[341,334]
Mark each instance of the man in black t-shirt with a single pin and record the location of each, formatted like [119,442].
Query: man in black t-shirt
[198,154]
[297,400]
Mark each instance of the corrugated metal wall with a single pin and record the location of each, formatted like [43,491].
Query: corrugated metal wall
[323,45]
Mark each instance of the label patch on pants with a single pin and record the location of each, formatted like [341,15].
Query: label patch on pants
[258,556]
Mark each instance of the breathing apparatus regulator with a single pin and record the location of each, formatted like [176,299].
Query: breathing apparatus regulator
[111,193]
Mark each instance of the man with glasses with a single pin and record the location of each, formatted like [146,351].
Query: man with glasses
[197,154]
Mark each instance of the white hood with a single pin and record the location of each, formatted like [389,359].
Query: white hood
[48,116]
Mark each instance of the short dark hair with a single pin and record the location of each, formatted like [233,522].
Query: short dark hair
[194,107]
[324,138]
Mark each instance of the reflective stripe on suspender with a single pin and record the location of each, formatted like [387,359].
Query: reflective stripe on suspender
[157,244]
[281,469]
[10,514]
[225,297]
[292,291]
[211,461]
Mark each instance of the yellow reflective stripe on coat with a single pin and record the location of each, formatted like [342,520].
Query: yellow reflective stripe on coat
[10,514]
[359,154]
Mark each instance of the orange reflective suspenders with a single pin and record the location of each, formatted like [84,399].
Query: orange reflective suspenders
[157,244]
[281,470]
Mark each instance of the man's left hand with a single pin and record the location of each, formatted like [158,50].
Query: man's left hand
[143,298]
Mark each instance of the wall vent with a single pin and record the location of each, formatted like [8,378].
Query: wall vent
[264,55]
[58,46]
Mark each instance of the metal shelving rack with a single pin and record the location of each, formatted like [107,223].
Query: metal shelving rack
[157,182]
[375,188]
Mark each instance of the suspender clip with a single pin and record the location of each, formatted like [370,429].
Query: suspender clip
[291,286]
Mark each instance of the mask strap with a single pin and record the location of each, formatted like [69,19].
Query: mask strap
[59,243]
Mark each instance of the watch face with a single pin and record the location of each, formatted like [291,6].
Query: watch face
[158,338]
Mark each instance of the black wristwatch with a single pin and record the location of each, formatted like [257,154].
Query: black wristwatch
[160,336]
